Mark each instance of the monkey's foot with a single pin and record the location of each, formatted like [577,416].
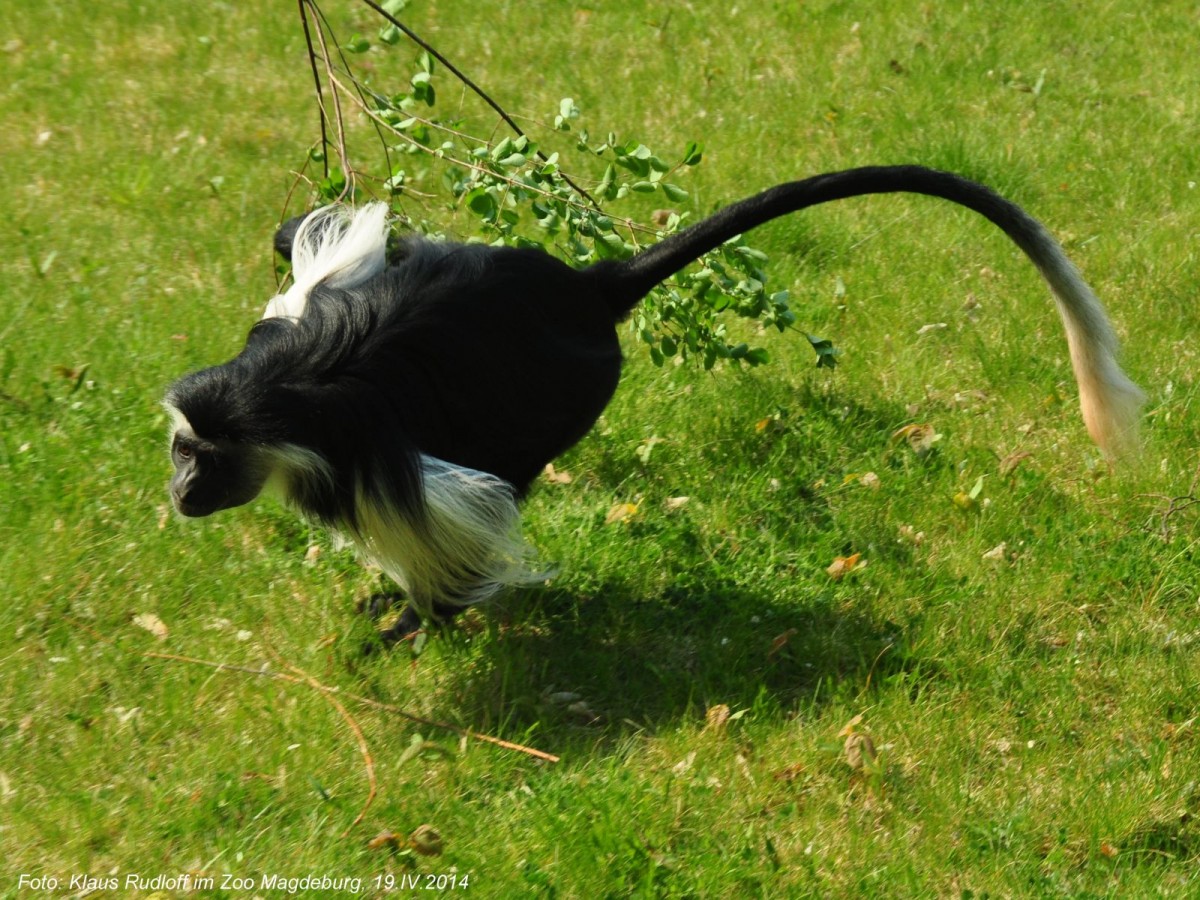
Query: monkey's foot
[403,629]
[378,605]
[410,622]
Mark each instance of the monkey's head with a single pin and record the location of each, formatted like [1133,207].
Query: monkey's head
[211,475]
[217,466]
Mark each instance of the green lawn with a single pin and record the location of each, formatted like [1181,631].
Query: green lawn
[1026,665]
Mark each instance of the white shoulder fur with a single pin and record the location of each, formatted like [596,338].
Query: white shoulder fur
[339,245]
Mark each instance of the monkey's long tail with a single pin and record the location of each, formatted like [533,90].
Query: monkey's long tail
[1109,400]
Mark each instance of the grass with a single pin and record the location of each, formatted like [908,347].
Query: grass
[1033,708]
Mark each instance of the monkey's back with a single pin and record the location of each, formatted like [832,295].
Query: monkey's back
[496,359]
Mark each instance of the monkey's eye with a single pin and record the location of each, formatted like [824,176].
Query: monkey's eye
[183,451]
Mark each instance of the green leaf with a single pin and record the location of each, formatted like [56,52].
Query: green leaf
[692,154]
[644,187]
[674,192]
[395,184]
[977,489]
[610,246]
[394,7]
[567,110]
[389,34]
[503,149]
[751,254]
[482,203]
[422,86]
[357,44]
[607,182]
[639,167]
[826,352]
[415,745]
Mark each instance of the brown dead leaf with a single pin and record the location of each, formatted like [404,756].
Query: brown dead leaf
[920,438]
[998,553]
[1009,464]
[860,751]
[151,623]
[426,841]
[716,718]
[780,641]
[844,565]
[385,840]
[555,477]
[620,512]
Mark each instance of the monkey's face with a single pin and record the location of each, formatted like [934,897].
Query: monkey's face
[211,476]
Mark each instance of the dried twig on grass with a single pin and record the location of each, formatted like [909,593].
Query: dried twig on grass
[365,701]
[359,737]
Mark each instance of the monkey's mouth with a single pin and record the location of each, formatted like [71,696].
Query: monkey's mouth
[190,509]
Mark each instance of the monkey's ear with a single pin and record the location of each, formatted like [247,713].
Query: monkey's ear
[286,236]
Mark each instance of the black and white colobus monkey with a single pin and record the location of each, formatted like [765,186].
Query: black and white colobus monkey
[409,404]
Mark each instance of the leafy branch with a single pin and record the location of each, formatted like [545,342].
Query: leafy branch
[515,193]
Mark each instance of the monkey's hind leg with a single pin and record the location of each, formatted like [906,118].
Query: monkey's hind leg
[410,622]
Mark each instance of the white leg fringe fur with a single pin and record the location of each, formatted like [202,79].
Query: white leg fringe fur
[468,548]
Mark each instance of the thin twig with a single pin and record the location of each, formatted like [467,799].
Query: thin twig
[359,737]
[312,61]
[339,123]
[323,24]
[366,701]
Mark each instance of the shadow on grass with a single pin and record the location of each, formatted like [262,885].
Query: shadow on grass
[591,669]
[579,664]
